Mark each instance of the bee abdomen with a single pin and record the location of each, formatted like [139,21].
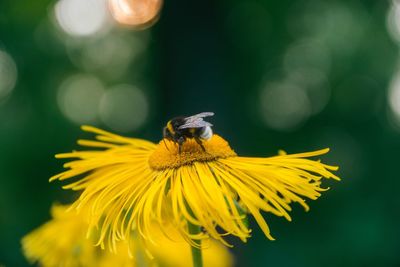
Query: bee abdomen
[206,133]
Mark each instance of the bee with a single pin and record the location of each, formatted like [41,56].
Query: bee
[181,128]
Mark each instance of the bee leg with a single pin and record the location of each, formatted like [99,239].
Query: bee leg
[180,142]
[165,144]
[200,143]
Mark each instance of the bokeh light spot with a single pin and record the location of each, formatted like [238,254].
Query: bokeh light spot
[137,13]
[124,108]
[111,54]
[8,74]
[284,106]
[394,101]
[315,83]
[393,21]
[79,97]
[81,18]
[307,53]
[339,25]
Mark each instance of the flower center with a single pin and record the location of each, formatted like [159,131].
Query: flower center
[167,156]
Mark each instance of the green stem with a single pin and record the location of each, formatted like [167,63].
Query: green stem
[196,252]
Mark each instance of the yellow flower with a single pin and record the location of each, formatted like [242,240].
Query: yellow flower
[173,250]
[128,184]
[63,241]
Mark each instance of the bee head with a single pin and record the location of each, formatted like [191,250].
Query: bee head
[168,130]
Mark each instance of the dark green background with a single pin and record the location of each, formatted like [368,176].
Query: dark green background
[217,55]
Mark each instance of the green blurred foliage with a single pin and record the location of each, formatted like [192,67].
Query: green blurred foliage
[219,56]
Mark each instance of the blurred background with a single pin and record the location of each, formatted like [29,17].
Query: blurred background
[294,75]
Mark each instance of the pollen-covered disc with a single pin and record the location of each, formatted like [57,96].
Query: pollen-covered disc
[167,153]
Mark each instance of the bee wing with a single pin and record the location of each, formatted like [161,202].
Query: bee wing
[202,115]
[196,121]
[195,124]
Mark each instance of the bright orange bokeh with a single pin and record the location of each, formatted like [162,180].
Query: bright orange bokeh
[136,13]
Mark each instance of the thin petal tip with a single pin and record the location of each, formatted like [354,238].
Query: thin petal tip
[86,127]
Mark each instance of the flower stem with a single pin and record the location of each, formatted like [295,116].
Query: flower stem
[196,251]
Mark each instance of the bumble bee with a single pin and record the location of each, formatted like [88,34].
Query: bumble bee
[180,128]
